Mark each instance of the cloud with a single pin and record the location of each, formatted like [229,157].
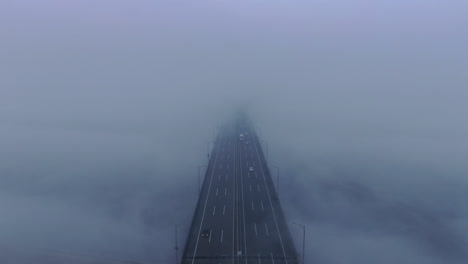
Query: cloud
[106,109]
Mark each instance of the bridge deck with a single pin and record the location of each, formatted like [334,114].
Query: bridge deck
[238,207]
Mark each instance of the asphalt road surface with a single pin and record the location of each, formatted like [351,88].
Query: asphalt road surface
[238,218]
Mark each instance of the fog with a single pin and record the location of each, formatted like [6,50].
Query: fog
[107,107]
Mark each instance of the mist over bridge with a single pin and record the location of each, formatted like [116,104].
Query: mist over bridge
[238,217]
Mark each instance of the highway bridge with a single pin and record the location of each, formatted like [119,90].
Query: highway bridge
[238,217]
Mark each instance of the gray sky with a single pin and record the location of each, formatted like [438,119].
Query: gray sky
[106,108]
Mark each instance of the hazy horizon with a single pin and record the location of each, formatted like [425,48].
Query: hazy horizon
[106,108]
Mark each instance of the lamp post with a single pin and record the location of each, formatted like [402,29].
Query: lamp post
[199,167]
[266,144]
[208,149]
[303,239]
[277,178]
[176,247]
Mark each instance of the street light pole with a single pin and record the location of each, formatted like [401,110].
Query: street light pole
[199,167]
[176,246]
[266,144]
[303,240]
[198,180]
[208,149]
[277,178]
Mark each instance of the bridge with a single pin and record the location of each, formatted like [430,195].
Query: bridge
[238,217]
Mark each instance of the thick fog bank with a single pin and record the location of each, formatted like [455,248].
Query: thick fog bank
[107,107]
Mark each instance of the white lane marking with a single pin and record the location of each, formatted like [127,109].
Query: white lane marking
[243,209]
[204,208]
[266,228]
[255,226]
[216,191]
[214,209]
[225,191]
[258,187]
[209,240]
[259,260]
[253,208]
[224,209]
[271,204]
[261,203]
[272,259]
[250,187]
[256,176]
[222,233]
[234,206]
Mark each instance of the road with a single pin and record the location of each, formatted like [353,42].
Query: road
[238,207]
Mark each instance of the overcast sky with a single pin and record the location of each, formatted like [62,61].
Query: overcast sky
[106,108]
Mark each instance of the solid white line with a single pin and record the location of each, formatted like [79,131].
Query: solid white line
[263,209]
[243,211]
[272,259]
[222,232]
[224,209]
[234,205]
[253,208]
[225,191]
[266,228]
[214,209]
[216,191]
[259,260]
[271,204]
[204,208]
[255,226]
[209,240]
[258,187]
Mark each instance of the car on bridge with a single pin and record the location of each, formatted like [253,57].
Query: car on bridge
[205,233]
[251,169]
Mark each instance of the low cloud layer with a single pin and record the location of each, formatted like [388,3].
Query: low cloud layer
[107,107]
